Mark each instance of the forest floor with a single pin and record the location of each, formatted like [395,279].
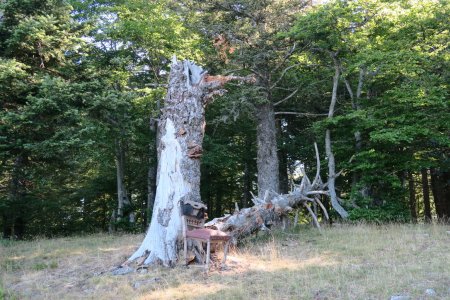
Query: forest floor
[342,262]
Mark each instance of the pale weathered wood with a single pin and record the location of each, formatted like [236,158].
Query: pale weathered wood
[274,207]
[181,130]
[328,149]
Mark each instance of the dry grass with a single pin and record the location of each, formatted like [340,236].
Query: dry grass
[345,262]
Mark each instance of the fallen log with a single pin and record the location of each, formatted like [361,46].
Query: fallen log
[274,206]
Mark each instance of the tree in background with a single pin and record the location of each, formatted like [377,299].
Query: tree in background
[245,38]
[40,112]
[394,103]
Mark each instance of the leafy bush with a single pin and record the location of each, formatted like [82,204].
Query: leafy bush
[389,212]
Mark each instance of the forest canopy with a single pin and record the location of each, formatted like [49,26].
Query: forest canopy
[82,83]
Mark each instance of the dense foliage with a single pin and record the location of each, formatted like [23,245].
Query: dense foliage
[82,82]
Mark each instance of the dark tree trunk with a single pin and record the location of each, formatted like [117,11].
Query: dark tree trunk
[122,195]
[267,158]
[248,172]
[6,227]
[426,195]
[440,186]
[246,197]
[412,197]
[219,202]
[15,225]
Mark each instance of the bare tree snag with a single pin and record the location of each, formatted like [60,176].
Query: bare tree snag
[181,130]
[274,206]
[328,150]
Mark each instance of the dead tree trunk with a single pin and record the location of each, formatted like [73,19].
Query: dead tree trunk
[274,206]
[328,150]
[181,130]
[412,197]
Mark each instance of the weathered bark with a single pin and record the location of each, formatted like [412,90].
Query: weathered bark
[328,149]
[181,130]
[426,195]
[412,197]
[267,159]
[273,207]
[178,177]
[152,169]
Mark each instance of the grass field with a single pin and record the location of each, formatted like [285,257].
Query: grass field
[343,262]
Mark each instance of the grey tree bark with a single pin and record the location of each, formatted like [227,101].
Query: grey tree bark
[178,178]
[273,207]
[328,148]
[181,130]
[267,158]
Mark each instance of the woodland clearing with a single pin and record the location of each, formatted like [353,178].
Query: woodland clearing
[342,262]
